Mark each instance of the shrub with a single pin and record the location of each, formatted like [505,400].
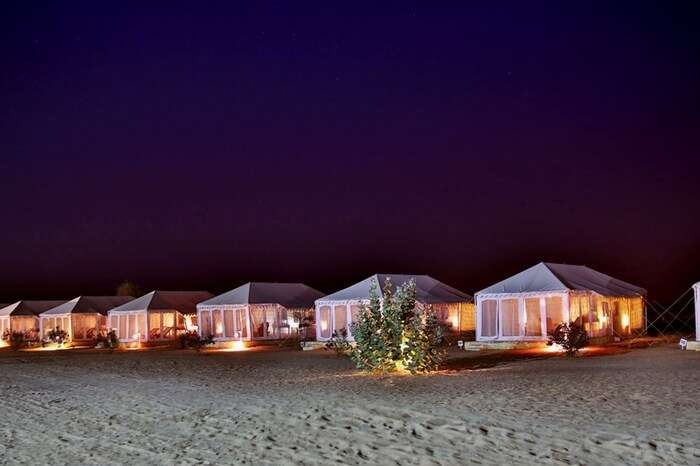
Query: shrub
[423,351]
[57,336]
[338,342]
[107,340]
[570,337]
[192,339]
[397,333]
[17,340]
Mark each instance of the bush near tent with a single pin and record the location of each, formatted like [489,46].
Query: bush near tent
[397,334]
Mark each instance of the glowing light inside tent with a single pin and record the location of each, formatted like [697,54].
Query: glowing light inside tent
[188,323]
[625,320]
[219,328]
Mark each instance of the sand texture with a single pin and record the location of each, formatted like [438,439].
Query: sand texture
[292,407]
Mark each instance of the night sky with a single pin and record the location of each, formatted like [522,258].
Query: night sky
[200,147]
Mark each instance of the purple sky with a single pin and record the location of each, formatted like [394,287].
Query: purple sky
[195,147]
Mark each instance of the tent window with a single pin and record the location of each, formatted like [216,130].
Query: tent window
[257,321]
[324,321]
[489,318]
[228,323]
[510,320]
[141,322]
[241,327]
[533,318]
[218,323]
[339,318]
[204,324]
[272,325]
[133,331]
[154,326]
[354,316]
[122,326]
[48,324]
[554,312]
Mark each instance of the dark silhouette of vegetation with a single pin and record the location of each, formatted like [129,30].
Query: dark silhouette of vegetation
[193,340]
[570,337]
[127,288]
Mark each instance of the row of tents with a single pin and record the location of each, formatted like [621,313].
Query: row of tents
[525,307]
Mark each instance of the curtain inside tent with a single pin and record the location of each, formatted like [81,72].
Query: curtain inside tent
[114,323]
[554,310]
[229,331]
[24,323]
[510,319]
[47,323]
[218,323]
[489,318]
[354,312]
[241,326]
[271,323]
[154,326]
[122,318]
[533,317]
[142,328]
[4,326]
[169,325]
[204,323]
[636,314]
[339,317]
[84,326]
[133,327]
[454,316]
[467,319]
[324,321]
[264,321]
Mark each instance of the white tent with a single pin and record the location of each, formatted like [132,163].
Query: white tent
[337,311]
[530,304]
[257,311]
[23,316]
[157,316]
[81,318]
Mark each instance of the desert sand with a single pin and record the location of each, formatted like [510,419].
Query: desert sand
[291,407]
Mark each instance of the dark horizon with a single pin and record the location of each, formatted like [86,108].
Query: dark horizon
[200,148]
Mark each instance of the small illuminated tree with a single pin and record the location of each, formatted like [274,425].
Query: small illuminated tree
[396,333]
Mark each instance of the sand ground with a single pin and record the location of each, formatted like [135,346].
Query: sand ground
[292,407]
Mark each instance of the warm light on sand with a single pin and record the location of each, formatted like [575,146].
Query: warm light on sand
[553,348]
[47,348]
[238,345]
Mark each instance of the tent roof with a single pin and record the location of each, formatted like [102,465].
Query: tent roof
[89,305]
[547,276]
[428,289]
[28,308]
[289,295]
[184,302]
